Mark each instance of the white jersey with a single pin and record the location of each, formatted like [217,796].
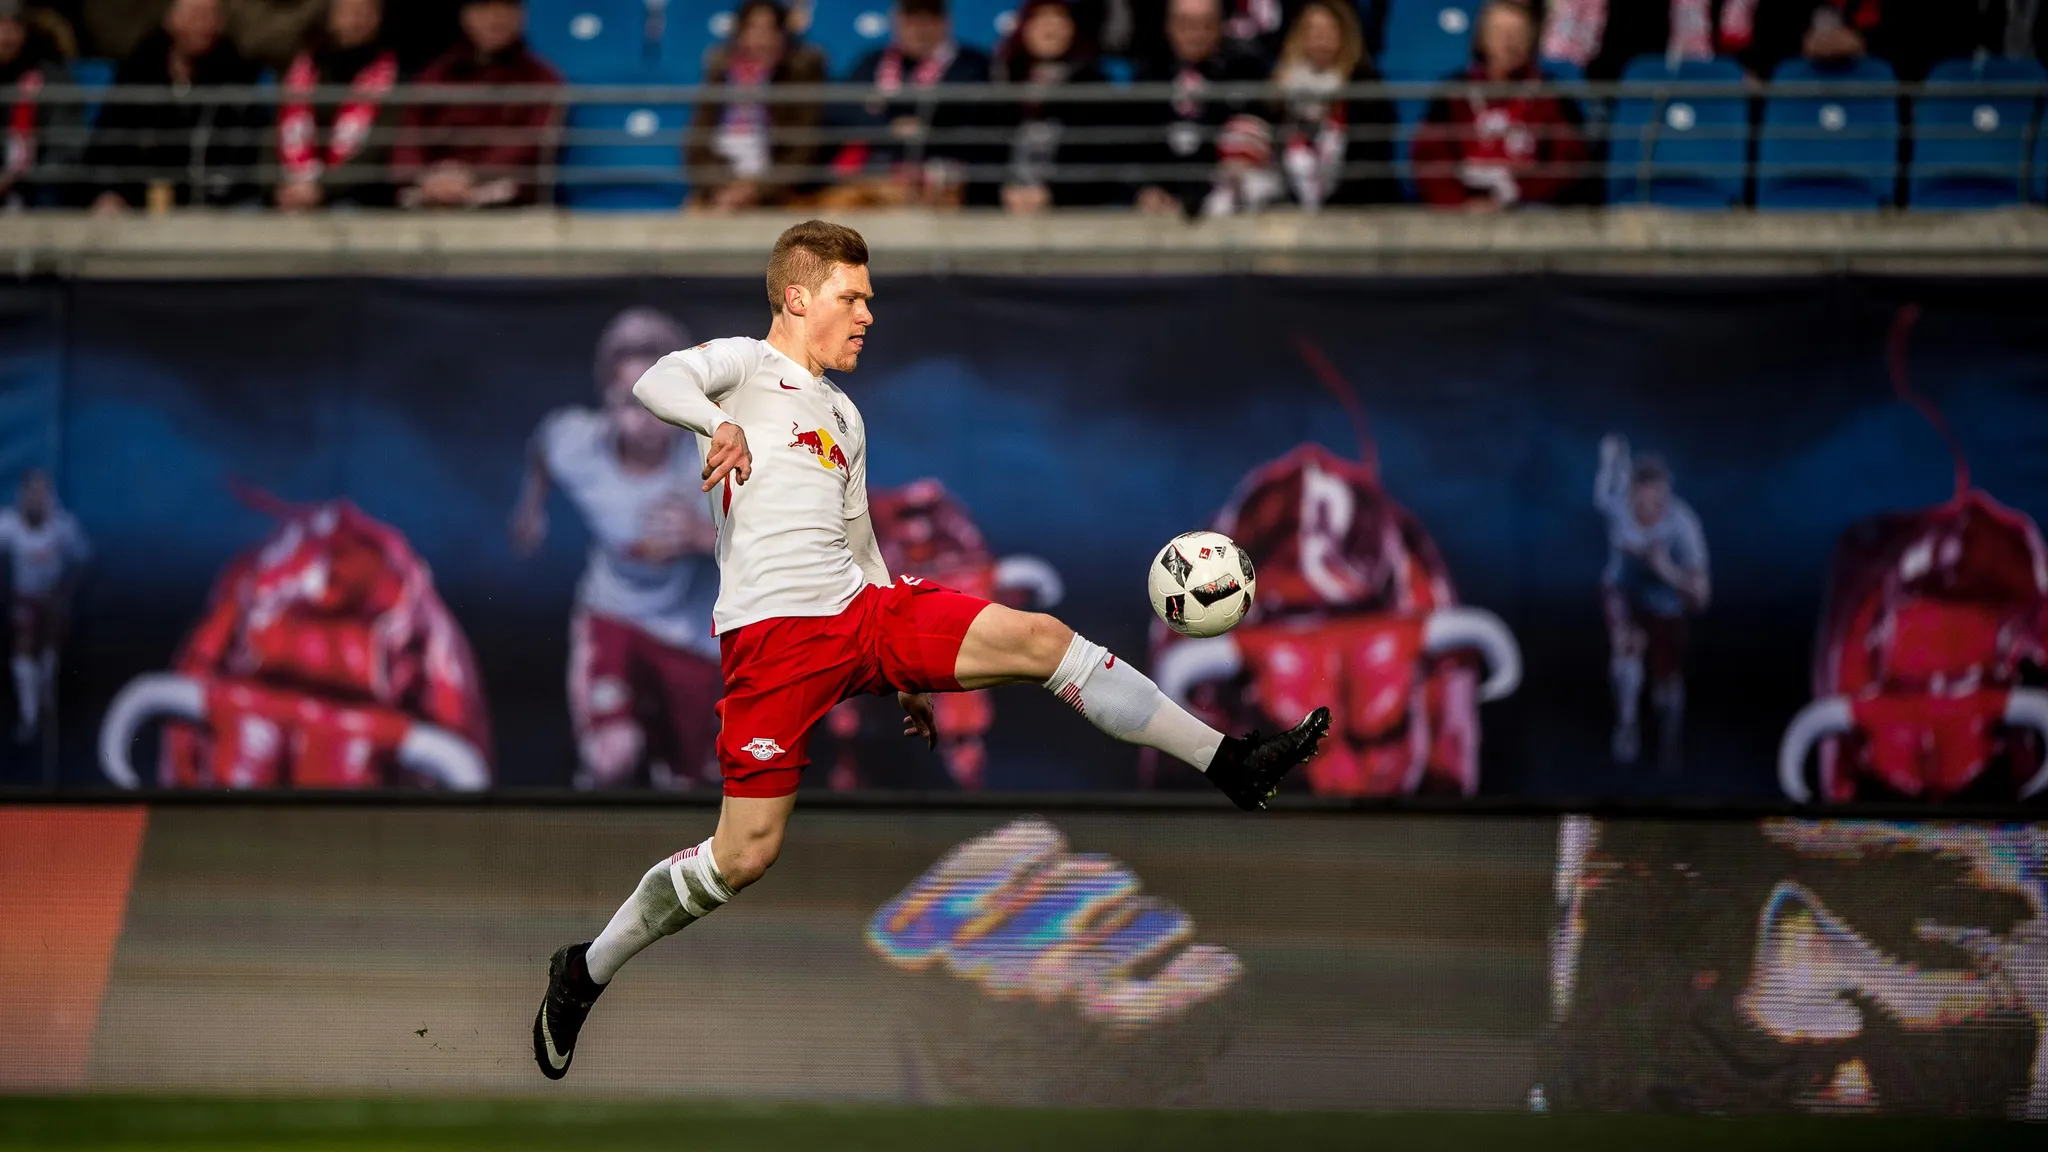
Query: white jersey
[43,553]
[670,600]
[782,548]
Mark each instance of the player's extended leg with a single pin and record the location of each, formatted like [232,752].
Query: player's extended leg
[1005,646]
[28,675]
[674,894]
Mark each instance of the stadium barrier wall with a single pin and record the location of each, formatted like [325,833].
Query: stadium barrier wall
[1070,958]
[1079,424]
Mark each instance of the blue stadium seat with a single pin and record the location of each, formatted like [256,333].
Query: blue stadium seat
[589,41]
[1699,146]
[689,29]
[1826,151]
[1427,39]
[1970,151]
[94,75]
[847,30]
[983,23]
[624,157]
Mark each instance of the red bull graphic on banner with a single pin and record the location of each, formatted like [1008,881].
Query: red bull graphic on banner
[1930,675]
[324,659]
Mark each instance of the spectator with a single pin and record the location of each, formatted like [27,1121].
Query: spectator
[1042,52]
[1910,35]
[478,155]
[1488,152]
[1602,36]
[742,154]
[328,154]
[274,32]
[39,136]
[113,29]
[187,151]
[1823,31]
[1216,136]
[897,162]
[1320,136]
[1255,27]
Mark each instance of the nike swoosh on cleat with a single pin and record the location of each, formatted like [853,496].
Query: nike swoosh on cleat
[548,1039]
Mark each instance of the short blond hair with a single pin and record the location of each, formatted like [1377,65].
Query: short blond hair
[806,253]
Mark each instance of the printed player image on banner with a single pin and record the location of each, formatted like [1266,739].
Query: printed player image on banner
[1357,611]
[323,659]
[1930,673]
[1800,966]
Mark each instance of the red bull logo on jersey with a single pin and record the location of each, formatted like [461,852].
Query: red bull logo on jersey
[819,443]
[1017,914]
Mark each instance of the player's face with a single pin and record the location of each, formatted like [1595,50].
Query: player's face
[837,318]
[1648,499]
[637,428]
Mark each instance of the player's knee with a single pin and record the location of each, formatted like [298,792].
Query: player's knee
[751,859]
[1045,642]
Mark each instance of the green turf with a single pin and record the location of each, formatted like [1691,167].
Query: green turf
[106,1123]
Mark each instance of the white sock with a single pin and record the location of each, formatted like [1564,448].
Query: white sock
[28,692]
[1124,703]
[1627,674]
[1669,700]
[672,895]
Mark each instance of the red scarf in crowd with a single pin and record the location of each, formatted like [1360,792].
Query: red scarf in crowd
[889,73]
[21,125]
[298,132]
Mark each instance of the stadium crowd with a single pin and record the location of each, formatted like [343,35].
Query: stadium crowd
[1307,142]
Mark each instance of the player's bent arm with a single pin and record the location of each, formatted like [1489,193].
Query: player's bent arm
[867,551]
[684,387]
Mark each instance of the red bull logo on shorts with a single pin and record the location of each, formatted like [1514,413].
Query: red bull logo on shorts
[818,442]
[1017,914]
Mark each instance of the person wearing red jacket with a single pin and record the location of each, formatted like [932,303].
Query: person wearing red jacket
[1489,151]
[478,155]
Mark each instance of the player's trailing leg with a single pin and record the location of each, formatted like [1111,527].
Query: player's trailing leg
[673,894]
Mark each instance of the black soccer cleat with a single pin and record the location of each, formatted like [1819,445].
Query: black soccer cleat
[570,994]
[1249,770]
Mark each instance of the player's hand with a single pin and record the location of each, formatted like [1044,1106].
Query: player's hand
[917,717]
[728,456]
[529,527]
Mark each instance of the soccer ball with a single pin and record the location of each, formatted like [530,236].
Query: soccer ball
[1201,584]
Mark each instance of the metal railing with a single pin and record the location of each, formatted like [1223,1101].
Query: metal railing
[645,136]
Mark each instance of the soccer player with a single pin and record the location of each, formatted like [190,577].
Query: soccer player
[1656,576]
[807,614]
[643,665]
[47,550]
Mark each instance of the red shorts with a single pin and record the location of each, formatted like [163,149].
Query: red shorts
[784,674]
[1661,638]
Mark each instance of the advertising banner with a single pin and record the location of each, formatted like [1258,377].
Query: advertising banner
[1539,537]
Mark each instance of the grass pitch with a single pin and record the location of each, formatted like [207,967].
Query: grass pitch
[104,1124]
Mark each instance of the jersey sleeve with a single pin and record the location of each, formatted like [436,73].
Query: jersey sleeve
[684,388]
[857,471]
[1689,542]
[552,440]
[10,529]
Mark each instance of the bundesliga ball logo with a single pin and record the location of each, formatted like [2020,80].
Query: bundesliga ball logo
[1201,584]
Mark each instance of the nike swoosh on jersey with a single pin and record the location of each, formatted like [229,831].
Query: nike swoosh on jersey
[548,1039]
[791,387]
